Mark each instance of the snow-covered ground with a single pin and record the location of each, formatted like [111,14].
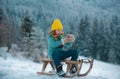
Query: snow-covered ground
[20,68]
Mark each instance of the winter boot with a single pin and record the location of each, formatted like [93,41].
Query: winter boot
[60,71]
[73,69]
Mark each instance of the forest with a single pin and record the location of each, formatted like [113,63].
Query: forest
[24,26]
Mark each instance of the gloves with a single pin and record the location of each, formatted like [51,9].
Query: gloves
[69,38]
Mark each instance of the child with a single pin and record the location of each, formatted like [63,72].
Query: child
[56,44]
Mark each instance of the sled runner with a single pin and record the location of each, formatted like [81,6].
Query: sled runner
[78,64]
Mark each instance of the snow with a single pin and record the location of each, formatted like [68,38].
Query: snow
[21,68]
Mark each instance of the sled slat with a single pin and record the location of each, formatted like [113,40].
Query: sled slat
[45,73]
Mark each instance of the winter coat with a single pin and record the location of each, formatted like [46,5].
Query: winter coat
[54,45]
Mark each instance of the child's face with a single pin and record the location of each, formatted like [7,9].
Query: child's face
[59,32]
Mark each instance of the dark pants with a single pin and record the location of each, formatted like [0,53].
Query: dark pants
[63,54]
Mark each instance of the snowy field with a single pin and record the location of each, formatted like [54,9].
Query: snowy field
[20,68]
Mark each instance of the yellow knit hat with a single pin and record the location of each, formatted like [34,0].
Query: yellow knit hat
[57,25]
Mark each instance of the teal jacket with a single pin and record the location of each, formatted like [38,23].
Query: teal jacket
[54,45]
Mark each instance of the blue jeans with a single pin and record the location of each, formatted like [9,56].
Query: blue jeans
[63,54]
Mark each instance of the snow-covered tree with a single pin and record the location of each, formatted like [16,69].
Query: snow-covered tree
[38,44]
[3,52]
[32,40]
[83,36]
[1,14]
[26,33]
[114,55]
[27,26]
[14,50]
[94,37]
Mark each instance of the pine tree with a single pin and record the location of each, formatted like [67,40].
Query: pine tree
[103,51]
[114,55]
[26,34]
[1,14]
[32,40]
[83,37]
[38,44]
[117,46]
[113,24]
[27,26]
[94,37]
[99,42]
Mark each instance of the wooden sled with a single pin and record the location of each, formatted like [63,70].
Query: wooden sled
[69,63]
[90,62]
